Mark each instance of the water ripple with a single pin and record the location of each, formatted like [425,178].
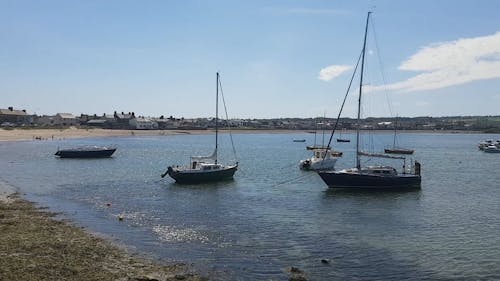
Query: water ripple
[168,233]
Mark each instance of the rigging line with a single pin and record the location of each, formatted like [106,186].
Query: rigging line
[382,72]
[294,179]
[384,81]
[227,120]
[343,102]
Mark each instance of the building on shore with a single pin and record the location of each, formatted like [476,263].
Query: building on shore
[142,123]
[122,120]
[15,117]
[65,119]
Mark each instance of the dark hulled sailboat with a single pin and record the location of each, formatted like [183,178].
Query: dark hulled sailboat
[204,169]
[376,176]
[395,149]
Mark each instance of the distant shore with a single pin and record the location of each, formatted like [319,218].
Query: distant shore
[72,133]
[35,246]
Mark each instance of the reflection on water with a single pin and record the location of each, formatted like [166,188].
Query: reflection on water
[172,234]
[272,215]
[379,193]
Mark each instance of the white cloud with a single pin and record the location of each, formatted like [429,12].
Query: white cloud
[332,71]
[451,63]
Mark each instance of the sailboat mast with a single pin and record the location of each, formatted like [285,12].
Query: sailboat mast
[394,140]
[216,116]
[323,128]
[315,130]
[358,163]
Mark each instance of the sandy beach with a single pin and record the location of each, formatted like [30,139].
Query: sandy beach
[35,246]
[72,132]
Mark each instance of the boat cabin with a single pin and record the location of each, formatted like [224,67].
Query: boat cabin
[320,153]
[205,166]
[380,170]
[210,166]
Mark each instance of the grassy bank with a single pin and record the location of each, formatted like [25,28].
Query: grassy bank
[35,246]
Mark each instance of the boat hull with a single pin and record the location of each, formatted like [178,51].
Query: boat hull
[398,151]
[492,150]
[367,181]
[196,176]
[102,153]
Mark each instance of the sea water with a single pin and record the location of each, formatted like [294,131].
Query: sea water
[272,215]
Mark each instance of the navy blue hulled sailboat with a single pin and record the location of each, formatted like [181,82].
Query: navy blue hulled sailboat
[376,176]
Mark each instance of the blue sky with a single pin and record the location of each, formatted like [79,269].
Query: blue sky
[276,58]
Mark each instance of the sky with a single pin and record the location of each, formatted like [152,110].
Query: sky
[276,58]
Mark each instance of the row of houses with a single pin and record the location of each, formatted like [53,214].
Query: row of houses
[118,120]
[115,121]
[11,117]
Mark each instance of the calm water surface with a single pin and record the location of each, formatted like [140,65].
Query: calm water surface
[273,216]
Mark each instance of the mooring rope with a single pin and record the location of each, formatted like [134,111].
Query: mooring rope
[308,175]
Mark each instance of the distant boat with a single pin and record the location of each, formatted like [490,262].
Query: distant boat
[492,149]
[333,152]
[86,152]
[376,176]
[340,139]
[312,147]
[301,140]
[488,143]
[397,150]
[204,169]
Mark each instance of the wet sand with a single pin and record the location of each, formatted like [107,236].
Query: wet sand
[35,246]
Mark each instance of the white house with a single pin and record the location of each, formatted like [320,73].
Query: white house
[65,119]
[141,123]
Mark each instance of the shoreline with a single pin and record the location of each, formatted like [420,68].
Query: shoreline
[76,133]
[36,246]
